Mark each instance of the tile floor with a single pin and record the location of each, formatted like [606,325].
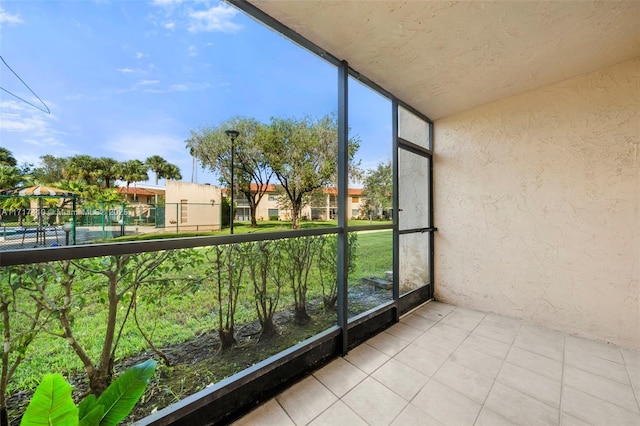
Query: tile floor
[445,365]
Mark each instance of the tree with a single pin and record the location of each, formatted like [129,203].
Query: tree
[7,158]
[132,171]
[51,169]
[156,164]
[377,191]
[303,154]
[252,173]
[171,171]
[105,171]
[80,167]
[9,176]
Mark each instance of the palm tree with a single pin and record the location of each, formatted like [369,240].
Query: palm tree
[7,158]
[157,165]
[132,171]
[171,171]
[9,176]
[80,167]
[105,171]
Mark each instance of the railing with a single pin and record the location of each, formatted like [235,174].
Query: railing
[207,307]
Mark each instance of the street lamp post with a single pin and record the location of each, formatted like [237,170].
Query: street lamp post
[233,134]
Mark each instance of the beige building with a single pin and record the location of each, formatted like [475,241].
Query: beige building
[271,206]
[192,206]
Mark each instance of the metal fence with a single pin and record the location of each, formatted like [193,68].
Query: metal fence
[51,223]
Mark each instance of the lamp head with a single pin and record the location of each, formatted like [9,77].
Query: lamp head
[233,134]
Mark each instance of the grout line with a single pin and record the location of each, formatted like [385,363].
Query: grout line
[564,354]
[636,393]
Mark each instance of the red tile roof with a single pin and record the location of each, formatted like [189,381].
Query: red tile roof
[137,191]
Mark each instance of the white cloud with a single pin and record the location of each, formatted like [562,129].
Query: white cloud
[6,17]
[170,25]
[147,82]
[125,70]
[192,51]
[24,127]
[141,55]
[216,18]
[142,145]
[166,2]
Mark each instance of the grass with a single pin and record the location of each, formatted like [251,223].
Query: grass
[245,228]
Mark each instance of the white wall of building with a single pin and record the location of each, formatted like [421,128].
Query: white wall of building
[537,202]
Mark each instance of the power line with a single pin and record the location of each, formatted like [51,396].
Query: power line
[47,110]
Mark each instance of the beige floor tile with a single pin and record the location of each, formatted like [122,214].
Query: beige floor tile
[540,364]
[464,380]
[634,375]
[503,335]
[420,360]
[569,420]
[404,331]
[488,417]
[601,387]
[340,376]
[504,323]
[436,344]
[545,346]
[429,313]
[465,319]
[541,333]
[374,402]
[306,400]
[520,408]
[366,358]
[339,414]
[400,378]
[487,346]
[609,369]
[419,322]
[631,358]
[598,349]
[531,383]
[596,411]
[446,405]
[387,343]
[448,332]
[443,308]
[477,361]
[268,414]
[413,416]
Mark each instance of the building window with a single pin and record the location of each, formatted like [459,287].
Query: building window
[355,199]
[272,197]
[273,214]
[183,211]
[355,212]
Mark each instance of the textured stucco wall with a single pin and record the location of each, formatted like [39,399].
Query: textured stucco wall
[537,201]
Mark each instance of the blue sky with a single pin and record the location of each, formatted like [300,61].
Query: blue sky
[129,79]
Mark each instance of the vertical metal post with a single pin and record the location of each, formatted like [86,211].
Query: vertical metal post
[343,193]
[396,208]
[73,220]
[431,219]
[104,232]
[233,154]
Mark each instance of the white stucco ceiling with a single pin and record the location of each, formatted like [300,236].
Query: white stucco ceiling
[446,57]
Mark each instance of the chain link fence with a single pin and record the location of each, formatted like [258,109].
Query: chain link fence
[34,222]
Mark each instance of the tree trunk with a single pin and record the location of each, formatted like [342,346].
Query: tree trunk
[99,380]
[227,339]
[300,316]
[269,330]
[4,416]
[329,302]
[295,216]
[252,211]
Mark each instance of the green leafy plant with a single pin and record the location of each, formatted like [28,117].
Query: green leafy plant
[52,404]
